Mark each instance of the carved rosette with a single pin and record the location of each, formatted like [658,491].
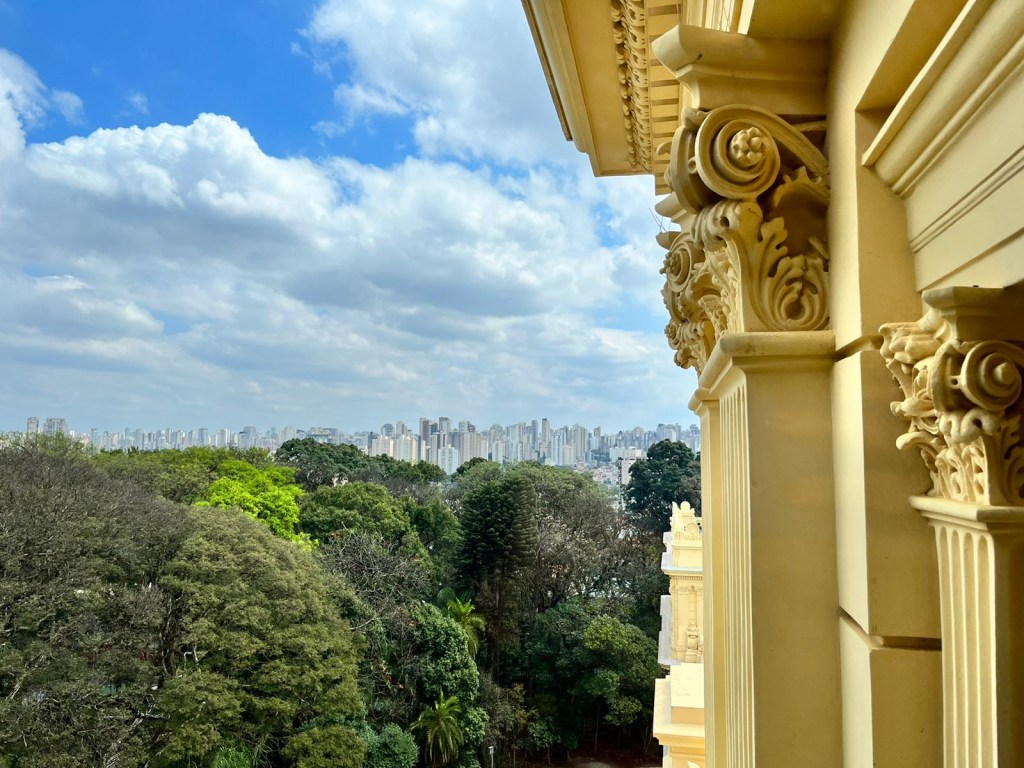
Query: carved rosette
[963,402]
[629,31]
[752,253]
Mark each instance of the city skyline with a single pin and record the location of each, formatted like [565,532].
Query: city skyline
[446,442]
[151,424]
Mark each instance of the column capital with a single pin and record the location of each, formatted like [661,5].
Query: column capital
[749,192]
[960,368]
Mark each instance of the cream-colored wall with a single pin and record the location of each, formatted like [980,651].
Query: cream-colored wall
[888,584]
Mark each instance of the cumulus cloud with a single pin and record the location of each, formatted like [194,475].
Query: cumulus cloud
[25,100]
[465,70]
[179,273]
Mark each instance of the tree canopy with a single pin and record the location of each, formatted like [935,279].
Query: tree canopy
[670,473]
[322,609]
[139,632]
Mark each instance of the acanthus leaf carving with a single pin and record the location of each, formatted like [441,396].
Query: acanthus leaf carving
[962,399]
[752,253]
[630,36]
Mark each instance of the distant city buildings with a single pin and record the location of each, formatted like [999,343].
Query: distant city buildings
[443,442]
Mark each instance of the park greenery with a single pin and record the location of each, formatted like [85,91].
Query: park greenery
[214,608]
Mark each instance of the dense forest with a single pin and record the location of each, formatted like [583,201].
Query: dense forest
[321,608]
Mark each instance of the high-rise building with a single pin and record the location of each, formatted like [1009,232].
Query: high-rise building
[32,427]
[55,426]
[448,459]
[444,424]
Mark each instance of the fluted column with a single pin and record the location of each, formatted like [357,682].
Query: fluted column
[960,368]
[746,288]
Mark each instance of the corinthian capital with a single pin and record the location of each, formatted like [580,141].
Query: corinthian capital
[749,191]
[960,368]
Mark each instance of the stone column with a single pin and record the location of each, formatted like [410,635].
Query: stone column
[706,407]
[960,368]
[747,293]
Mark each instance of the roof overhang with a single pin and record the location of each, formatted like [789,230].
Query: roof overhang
[615,100]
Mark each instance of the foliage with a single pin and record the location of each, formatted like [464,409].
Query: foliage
[499,525]
[138,632]
[588,665]
[263,650]
[439,730]
[402,478]
[358,507]
[463,613]
[391,748]
[180,476]
[508,715]
[387,583]
[440,532]
[267,495]
[318,464]
[670,473]
[82,613]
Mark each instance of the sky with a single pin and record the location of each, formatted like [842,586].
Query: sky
[335,213]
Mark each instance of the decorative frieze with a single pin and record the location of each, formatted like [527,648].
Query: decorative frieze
[962,400]
[629,31]
[750,192]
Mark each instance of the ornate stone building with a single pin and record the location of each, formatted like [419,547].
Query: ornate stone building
[845,271]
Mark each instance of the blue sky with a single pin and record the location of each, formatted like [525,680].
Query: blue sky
[334,213]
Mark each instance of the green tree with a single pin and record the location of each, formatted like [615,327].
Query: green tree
[138,632]
[390,748]
[463,613]
[83,618]
[670,473]
[318,464]
[360,508]
[263,658]
[499,545]
[439,730]
[267,495]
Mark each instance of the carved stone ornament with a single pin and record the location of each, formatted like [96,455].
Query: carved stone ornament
[963,401]
[751,254]
[630,34]
[684,522]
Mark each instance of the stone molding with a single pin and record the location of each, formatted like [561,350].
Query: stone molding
[750,191]
[629,31]
[962,393]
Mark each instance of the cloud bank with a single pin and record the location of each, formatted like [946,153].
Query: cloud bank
[178,275]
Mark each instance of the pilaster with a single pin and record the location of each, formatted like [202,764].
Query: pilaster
[960,369]
[747,291]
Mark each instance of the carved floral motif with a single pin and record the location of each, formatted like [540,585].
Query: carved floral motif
[752,254]
[963,401]
[629,30]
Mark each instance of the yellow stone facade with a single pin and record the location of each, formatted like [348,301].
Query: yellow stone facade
[845,271]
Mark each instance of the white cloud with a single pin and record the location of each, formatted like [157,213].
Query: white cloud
[24,102]
[138,101]
[179,274]
[69,105]
[465,69]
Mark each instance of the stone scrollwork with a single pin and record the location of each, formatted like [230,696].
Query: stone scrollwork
[963,401]
[751,255]
[630,35]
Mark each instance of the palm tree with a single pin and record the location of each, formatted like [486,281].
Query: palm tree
[439,730]
[463,613]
